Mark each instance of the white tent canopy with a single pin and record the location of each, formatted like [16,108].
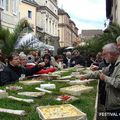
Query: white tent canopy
[30,41]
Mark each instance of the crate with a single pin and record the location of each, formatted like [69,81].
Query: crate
[60,112]
[32,94]
[66,77]
[76,90]
[49,76]
[31,82]
[3,94]
[81,82]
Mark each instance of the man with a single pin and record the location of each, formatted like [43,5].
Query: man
[77,59]
[13,72]
[67,59]
[111,76]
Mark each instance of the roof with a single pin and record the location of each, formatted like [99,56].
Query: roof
[31,2]
[62,12]
[72,22]
[91,32]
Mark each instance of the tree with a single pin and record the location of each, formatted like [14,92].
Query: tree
[8,40]
[95,44]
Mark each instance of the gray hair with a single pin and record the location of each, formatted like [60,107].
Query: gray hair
[118,39]
[111,47]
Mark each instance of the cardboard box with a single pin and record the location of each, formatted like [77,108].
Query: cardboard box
[60,112]
[31,82]
[76,90]
[3,94]
[32,94]
[81,82]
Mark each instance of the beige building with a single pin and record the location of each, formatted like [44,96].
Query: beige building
[47,22]
[88,34]
[113,10]
[14,10]
[67,30]
[9,13]
[27,10]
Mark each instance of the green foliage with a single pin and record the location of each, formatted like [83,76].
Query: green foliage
[22,27]
[8,40]
[85,103]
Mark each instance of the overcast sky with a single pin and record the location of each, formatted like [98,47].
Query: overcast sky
[87,14]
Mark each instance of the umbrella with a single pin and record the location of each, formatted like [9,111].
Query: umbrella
[68,48]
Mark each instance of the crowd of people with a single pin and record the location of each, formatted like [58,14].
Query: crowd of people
[17,65]
[106,67]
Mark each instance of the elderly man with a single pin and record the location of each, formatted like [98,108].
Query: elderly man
[111,76]
[14,71]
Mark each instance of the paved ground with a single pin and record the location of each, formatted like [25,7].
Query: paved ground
[100,111]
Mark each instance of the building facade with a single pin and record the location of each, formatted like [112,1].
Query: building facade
[113,10]
[47,22]
[27,10]
[67,30]
[9,13]
[88,34]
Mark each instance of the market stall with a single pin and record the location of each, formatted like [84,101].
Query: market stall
[46,91]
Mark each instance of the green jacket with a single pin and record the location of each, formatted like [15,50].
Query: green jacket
[112,85]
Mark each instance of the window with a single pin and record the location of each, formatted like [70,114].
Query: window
[46,24]
[6,5]
[29,14]
[2,3]
[15,7]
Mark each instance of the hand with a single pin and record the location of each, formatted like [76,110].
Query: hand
[42,64]
[82,77]
[102,76]
[94,67]
[22,77]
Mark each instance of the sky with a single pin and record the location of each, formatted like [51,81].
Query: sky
[87,14]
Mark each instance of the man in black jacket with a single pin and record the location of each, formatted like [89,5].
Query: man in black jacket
[77,59]
[14,71]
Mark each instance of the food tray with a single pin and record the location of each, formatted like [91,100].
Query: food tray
[49,76]
[66,77]
[31,82]
[60,112]
[3,94]
[32,94]
[81,82]
[76,90]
